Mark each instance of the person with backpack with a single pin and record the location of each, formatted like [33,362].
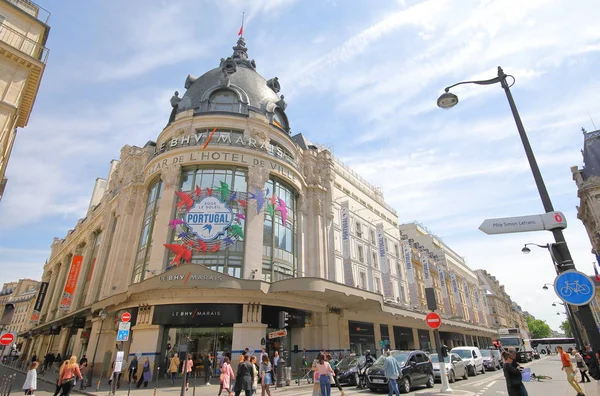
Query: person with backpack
[392,369]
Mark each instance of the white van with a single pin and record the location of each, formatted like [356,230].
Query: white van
[472,357]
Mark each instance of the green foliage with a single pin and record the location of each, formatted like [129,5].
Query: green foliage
[565,326]
[538,328]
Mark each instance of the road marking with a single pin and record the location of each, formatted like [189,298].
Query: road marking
[482,391]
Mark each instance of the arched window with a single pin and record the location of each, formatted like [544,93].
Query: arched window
[279,120]
[224,100]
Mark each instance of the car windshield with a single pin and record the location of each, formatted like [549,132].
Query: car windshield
[485,352]
[400,357]
[347,362]
[463,353]
[434,359]
[510,341]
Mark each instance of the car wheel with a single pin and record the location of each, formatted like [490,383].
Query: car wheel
[451,377]
[373,389]
[472,371]
[466,374]
[430,380]
[405,388]
[482,369]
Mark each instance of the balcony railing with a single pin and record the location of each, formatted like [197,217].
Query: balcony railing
[18,40]
[32,9]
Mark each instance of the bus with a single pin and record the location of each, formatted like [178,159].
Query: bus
[542,344]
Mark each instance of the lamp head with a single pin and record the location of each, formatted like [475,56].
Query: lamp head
[553,304]
[447,100]
[545,287]
[526,250]
[558,313]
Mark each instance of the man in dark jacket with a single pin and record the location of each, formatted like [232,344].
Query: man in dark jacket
[133,369]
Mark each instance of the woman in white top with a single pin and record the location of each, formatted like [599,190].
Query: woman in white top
[325,372]
[30,384]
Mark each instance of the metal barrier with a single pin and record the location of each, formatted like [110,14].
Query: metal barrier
[6,383]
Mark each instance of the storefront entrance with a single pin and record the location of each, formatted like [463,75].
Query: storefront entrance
[362,338]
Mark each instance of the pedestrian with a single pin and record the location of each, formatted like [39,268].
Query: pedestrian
[34,357]
[567,367]
[595,369]
[334,378]
[186,370]
[514,381]
[226,377]
[254,374]
[325,371]
[581,365]
[69,376]
[316,385]
[174,367]
[58,384]
[243,377]
[84,373]
[133,369]
[82,361]
[30,384]
[275,369]
[262,353]
[391,369]
[266,375]
[513,354]
[208,367]
[146,374]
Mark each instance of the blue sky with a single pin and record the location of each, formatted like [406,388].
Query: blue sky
[362,78]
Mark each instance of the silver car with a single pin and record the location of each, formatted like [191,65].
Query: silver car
[455,367]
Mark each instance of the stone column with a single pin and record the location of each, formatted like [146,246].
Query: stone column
[82,273]
[250,332]
[147,338]
[392,336]
[253,236]
[52,281]
[171,177]
[60,285]
[416,342]
[377,334]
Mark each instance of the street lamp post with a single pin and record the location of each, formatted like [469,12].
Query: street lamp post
[572,322]
[103,314]
[564,259]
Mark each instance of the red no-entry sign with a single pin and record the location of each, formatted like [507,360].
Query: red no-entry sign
[433,320]
[7,339]
[125,317]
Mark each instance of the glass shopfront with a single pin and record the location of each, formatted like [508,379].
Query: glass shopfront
[403,337]
[197,329]
[424,340]
[362,337]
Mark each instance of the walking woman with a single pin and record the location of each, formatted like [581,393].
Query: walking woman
[243,377]
[146,374]
[334,379]
[583,368]
[325,372]
[60,371]
[514,382]
[226,377]
[265,375]
[173,367]
[254,374]
[186,370]
[69,376]
[30,384]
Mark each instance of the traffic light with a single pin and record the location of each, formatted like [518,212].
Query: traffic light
[444,351]
[284,319]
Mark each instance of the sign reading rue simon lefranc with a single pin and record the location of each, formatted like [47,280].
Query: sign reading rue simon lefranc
[505,225]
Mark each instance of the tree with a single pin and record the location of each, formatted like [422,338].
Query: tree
[538,328]
[565,326]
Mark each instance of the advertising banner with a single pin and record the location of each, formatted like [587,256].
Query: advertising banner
[410,274]
[426,273]
[71,283]
[444,287]
[39,302]
[468,300]
[345,219]
[456,292]
[388,290]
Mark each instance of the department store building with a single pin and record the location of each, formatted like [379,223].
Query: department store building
[319,243]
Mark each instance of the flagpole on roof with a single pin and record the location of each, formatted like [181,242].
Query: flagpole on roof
[241,32]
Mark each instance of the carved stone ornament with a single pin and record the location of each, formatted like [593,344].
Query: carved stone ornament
[303,204]
[259,135]
[170,176]
[257,176]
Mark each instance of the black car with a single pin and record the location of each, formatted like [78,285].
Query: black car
[417,370]
[347,370]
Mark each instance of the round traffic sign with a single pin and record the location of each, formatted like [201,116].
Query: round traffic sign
[125,317]
[433,320]
[138,353]
[574,287]
[7,339]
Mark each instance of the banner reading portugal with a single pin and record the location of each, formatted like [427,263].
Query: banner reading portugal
[39,303]
[67,297]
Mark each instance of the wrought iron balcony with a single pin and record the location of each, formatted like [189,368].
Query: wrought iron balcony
[21,42]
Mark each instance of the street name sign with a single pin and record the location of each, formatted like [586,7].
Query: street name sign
[507,225]
[433,320]
[277,334]
[574,288]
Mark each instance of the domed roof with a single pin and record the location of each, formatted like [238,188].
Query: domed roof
[236,74]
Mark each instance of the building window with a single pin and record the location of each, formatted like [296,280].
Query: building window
[279,240]
[362,280]
[375,265]
[145,242]
[396,250]
[361,256]
[227,261]
[224,100]
[358,230]
[372,236]
[279,120]
[377,285]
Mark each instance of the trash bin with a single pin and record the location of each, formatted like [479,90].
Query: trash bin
[288,376]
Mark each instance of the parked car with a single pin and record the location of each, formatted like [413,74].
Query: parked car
[416,368]
[491,360]
[455,367]
[472,356]
[347,370]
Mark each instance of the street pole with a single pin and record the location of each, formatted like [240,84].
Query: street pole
[438,343]
[91,374]
[566,261]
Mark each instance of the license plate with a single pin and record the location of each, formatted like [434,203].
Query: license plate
[378,381]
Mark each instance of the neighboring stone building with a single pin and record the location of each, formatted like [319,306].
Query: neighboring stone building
[23,33]
[17,299]
[310,238]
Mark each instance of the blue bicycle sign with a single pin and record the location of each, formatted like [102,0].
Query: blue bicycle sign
[574,287]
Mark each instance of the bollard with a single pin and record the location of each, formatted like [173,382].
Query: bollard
[154,394]
[10,383]
[157,375]
[194,389]
[129,386]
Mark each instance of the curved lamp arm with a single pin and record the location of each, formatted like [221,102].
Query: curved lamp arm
[478,82]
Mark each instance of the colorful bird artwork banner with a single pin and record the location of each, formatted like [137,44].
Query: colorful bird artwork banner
[206,223]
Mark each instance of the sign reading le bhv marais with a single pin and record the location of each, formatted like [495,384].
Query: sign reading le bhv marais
[212,219]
